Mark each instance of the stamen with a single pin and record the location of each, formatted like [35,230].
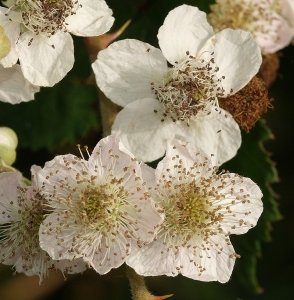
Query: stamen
[189,89]
[45,17]
[79,147]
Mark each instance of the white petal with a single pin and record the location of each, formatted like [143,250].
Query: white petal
[110,254]
[124,71]
[153,259]
[93,18]
[34,171]
[189,156]
[148,175]
[215,260]
[54,171]
[141,129]
[103,154]
[50,240]
[14,88]
[237,55]
[70,267]
[42,64]
[184,29]
[217,134]
[287,11]
[12,31]
[279,36]
[243,212]
[9,181]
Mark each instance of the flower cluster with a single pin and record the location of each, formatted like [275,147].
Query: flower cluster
[110,209]
[180,101]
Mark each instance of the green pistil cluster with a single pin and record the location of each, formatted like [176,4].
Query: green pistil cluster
[99,205]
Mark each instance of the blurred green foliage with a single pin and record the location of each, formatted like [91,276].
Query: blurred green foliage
[69,111]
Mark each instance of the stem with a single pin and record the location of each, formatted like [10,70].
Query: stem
[139,289]
[108,111]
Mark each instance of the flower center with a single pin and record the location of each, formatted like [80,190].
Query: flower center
[190,211]
[45,17]
[99,206]
[189,89]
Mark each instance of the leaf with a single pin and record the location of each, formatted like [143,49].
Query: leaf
[253,161]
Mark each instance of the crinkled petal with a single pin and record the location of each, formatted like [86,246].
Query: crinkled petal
[70,266]
[124,71]
[57,244]
[190,155]
[103,154]
[109,255]
[185,29]
[14,88]
[5,254]
[148,175]
[12,31]
[93,18]
[153,259]
[217,134]
[34,171]
[243,198]
[9,194]
[41,264]
[141,129]
[279,36]
[236,54]
[46,60]
[50,179]
[211,261]
[287,11]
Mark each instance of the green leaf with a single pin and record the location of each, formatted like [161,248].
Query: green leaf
[253,161]
[63,113]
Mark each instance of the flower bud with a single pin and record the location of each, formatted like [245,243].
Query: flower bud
[8,144]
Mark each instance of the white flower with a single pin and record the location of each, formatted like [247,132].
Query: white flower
[161,103]
[21,213]
[202,208]
[14,88]
[101,207]
[39,34]
[259,17]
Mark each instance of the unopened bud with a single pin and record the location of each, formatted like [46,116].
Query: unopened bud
[8,144]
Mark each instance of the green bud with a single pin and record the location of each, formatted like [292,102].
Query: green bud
[8,144]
